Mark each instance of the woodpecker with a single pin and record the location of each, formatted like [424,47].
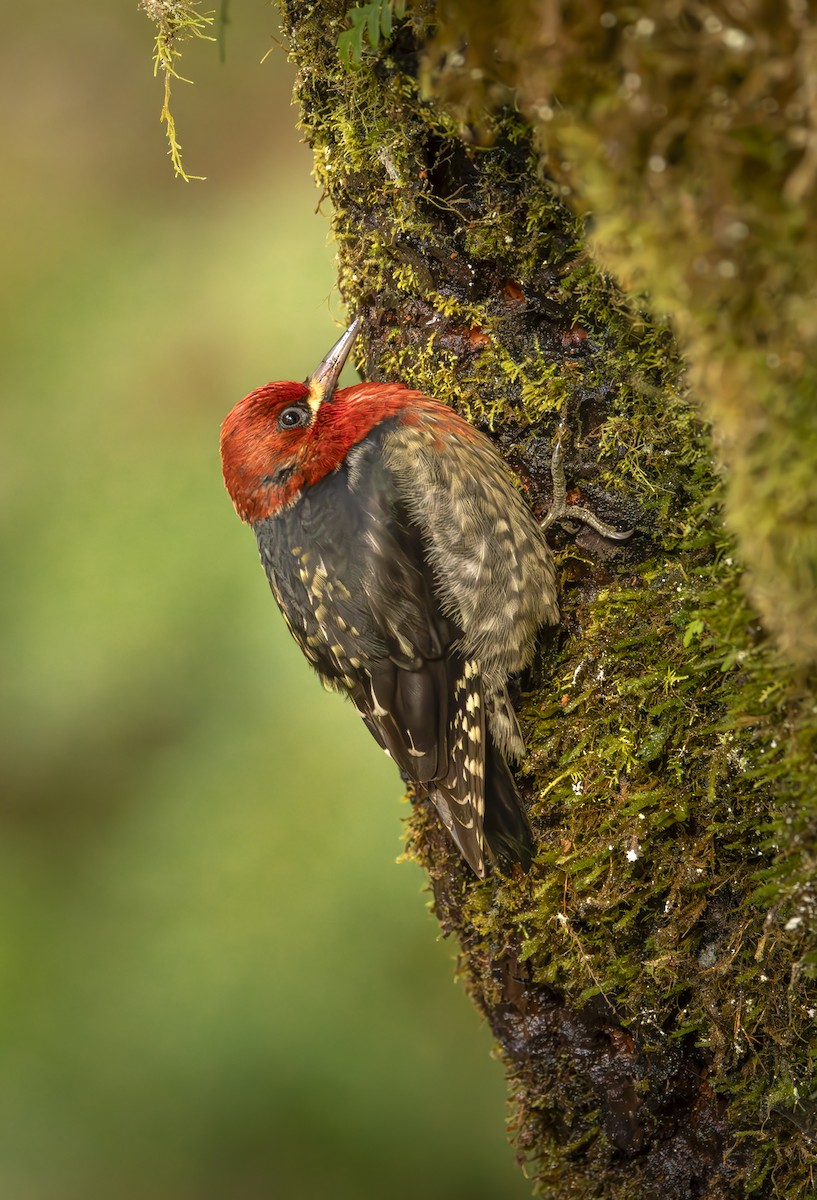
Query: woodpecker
[410,572]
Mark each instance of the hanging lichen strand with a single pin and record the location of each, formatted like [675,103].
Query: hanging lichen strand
[650,980]
[177,22]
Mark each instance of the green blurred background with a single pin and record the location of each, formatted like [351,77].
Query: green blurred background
[214,980]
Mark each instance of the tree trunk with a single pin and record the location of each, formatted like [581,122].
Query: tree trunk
[650,980]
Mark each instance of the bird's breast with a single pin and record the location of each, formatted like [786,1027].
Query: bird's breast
[314,555]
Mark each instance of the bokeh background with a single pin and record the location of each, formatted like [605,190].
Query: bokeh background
[215,981]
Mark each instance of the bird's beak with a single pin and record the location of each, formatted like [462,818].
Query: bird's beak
[323,381]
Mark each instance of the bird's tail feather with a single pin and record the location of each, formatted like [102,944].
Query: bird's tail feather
[507,828]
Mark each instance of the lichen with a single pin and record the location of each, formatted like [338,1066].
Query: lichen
[176,21]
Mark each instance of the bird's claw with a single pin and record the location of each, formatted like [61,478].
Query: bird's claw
[560,510]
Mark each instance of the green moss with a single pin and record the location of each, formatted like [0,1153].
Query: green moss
[660,757]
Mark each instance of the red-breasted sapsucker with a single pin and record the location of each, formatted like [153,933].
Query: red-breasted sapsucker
[409,571]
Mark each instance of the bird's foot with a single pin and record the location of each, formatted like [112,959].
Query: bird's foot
[560,510]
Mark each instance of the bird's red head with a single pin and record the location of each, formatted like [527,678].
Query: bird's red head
[270,443]
[264,448]
[285,437]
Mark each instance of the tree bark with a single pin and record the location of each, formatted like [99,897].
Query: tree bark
[689,131]
[650,980]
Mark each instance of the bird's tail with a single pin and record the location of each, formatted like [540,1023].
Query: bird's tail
[507,828]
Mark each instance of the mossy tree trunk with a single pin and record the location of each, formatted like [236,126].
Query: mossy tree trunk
[650,980]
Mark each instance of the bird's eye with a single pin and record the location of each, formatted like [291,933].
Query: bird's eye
[293,416]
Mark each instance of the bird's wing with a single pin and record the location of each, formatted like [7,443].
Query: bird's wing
[423,700]
[350,572]
[493,567]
